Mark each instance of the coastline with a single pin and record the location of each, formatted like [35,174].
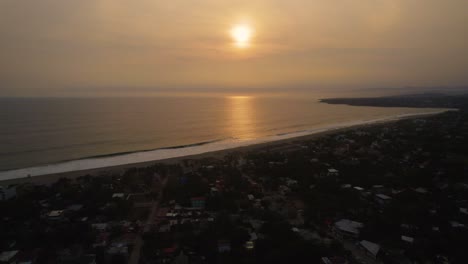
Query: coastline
[77,168]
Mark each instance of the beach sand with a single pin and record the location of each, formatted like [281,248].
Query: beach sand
[282,139]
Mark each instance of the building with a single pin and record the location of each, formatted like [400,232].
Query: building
[370,248]
[55,214]
[198,202]
[333,172]
[75,207]
[348,228]
[334,260]
[357,188]
[382,199]
[249,245]
[99,226]
[224,246]
[181,258]
[407,239]
[421,190]
[6,193]
[8,256]
[118,195]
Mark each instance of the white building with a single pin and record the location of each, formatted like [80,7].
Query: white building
[333,172]
[118,195]
[55,214]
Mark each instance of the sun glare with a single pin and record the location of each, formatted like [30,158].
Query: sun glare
[241,35]
[239,97]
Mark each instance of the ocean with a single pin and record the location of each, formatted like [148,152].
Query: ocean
[46,135]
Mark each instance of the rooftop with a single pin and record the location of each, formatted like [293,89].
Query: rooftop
[349,226]
[6,256]
[383,196]
[55,213]
[371,247]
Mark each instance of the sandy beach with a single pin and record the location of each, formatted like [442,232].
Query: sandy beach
[50,173]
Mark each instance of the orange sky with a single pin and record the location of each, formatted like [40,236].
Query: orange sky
[57,47]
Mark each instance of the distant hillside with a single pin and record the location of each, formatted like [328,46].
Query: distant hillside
[426,100]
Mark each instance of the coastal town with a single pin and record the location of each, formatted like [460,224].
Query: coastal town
[233,132]
[395,192]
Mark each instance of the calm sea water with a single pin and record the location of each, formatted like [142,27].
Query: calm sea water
[42,131]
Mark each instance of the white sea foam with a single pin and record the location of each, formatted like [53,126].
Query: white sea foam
[160,154]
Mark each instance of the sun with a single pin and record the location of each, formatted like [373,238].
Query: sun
[241,34]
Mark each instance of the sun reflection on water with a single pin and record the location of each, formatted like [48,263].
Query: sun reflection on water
[241,116]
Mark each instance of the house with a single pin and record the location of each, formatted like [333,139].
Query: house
[249,245]
[75,207]
[348,228]
[101,240]
[118,249]
[169,251]
[125,239]
[358,188]
[308,235]
[214,190]
[100,226]
[173,222]
[6,193]
[284,189]
[70,254]
[370,248]
[456,224]
[333,172]
[88,259]
[8,256]
[334,260]
[256,224]
[164,228]
[382,198]
[224,246]
[421,190]
[253,236]
[181,258]
[408,227]
[55,214]
[407,239]
[291,183]
[118,195]
[463,211]
[198,202]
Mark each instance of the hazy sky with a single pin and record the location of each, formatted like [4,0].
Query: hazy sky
[108,47]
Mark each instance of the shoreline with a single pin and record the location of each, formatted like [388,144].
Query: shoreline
[217,150]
